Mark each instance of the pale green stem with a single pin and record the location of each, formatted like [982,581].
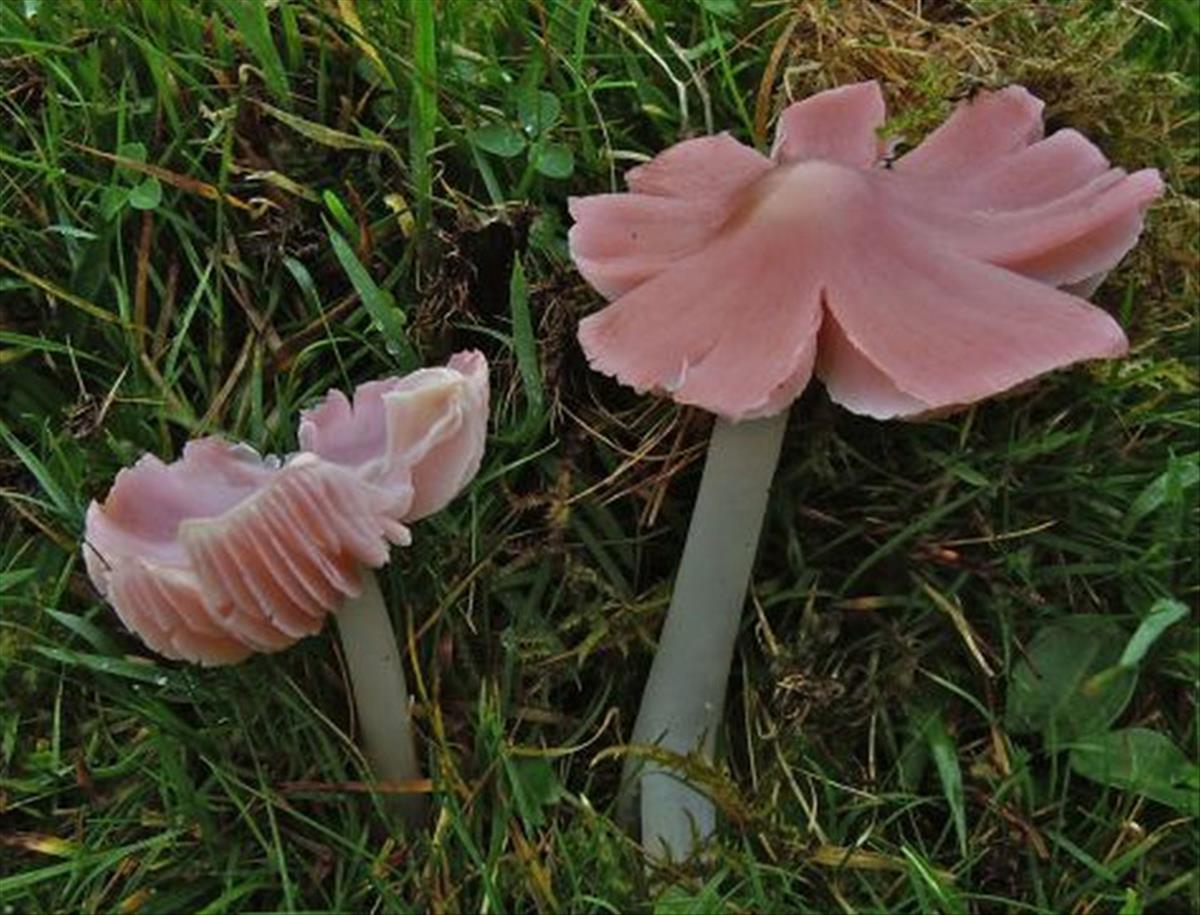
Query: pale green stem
[685,693]
[380,694]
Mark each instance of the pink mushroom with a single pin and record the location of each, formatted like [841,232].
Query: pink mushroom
[224,553]
[907,287]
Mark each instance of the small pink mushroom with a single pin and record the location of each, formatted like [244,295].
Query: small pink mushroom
[908,287]
[224,553]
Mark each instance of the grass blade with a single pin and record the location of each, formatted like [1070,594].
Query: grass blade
[525,344]
[378,303]
[250,19]
[50,486]
[423,117]
[945,757]
[1162,616]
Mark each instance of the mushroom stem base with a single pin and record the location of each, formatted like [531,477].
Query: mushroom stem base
[685,693]
[381,697]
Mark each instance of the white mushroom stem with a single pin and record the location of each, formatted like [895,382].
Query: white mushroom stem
[685,694]
[381,697]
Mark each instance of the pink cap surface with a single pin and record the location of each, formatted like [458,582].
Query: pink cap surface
[425,430]
[224,552]
[907,289]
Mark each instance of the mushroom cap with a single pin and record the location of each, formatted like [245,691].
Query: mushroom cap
[225,552]
[908,287]
[426,430]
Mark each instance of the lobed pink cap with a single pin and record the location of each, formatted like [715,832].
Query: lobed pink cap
[427,427]
[917,287]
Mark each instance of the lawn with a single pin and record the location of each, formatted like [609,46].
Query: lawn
[967,675]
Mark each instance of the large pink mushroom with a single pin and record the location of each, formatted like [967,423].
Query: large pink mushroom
[908,287]
[224,552]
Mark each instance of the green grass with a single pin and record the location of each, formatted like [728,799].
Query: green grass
[208,218]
